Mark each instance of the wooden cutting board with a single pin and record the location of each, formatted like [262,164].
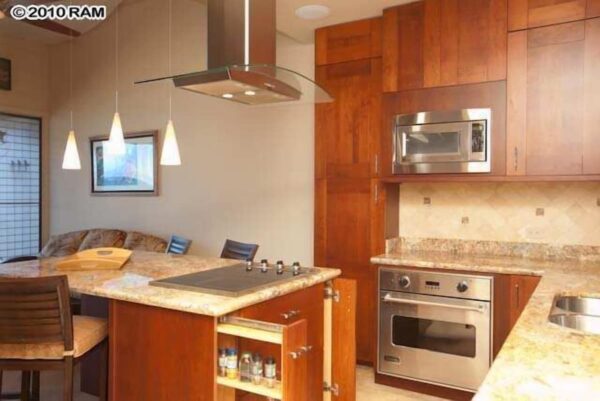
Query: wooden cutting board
[95,259]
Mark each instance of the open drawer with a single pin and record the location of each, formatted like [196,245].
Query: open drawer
[286,343]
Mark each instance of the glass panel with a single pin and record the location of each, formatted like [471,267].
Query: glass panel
[426,143]
[434,335]
[19,186]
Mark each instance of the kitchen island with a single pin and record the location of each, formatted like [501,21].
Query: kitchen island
[164,342]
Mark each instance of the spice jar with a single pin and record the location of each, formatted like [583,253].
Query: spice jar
[232,363]
[270,372]
[246,367]
[257,369]
[222,364]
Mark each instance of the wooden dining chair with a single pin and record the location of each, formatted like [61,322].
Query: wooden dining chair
[37,333]
[178,245]
[239,250]
[19,259]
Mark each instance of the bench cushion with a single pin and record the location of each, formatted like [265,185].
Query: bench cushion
[137,241]
[103,238]
[63,244]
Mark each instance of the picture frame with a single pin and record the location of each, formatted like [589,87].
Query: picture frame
[132,174]
[5,74]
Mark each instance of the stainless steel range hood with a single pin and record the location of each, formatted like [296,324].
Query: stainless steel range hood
[241,59]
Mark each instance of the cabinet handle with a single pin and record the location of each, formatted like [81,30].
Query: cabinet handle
[516,158]
[376,164]
[376,193]
[518,296]
[300,351]
[290,314]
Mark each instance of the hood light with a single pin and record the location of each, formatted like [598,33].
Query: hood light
[227,96]
[249,93]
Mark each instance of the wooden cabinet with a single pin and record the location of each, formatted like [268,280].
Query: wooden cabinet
[553,98]
[523,14]
[347,130]
[511,295]
[348,231]
[435,43]
[351,41]
[348,196]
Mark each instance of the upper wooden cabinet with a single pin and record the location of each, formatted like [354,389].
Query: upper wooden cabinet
[435,43]
[348,42]
[347,130]
[523,14]
[553,98]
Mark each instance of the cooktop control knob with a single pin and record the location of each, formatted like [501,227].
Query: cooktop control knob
[404,282]
[462,286]
[280,267]
[296,268]
[249,264]
[264,264]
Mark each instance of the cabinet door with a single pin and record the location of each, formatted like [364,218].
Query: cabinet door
[347,130]
[553,100]
[525,14]
[343,240]
[348,42]
[444,42]
[343,355]
[294,366]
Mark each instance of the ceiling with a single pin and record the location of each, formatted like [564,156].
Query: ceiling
[287,22]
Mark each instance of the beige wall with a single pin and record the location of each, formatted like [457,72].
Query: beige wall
[503,212]
[29,96]
[247,172]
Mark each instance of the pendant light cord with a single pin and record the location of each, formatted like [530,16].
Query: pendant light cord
[117,59]
[71,74]
[170,58]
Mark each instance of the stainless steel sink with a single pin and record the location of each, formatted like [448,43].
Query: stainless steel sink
[579,313]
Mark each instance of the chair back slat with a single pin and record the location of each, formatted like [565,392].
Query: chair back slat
[239,250]
[178,245]
[35,310]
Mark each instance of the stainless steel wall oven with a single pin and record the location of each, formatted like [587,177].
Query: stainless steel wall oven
[435,327]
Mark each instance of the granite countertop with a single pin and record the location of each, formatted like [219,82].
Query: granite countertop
[131,282]
[539,360]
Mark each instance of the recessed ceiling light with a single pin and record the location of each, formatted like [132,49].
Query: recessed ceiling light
[249,93]
[312,11]
[227,95]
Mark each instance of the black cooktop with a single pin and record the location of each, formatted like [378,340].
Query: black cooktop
[230,281]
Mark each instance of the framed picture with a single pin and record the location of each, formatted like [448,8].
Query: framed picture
[134,173]
[5,78]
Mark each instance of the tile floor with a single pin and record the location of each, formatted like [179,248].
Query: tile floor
[367,390]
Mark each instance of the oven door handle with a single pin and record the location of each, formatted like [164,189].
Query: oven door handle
[388,298]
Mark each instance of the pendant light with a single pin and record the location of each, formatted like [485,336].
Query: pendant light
[71,156]
[170,150]
[116,140]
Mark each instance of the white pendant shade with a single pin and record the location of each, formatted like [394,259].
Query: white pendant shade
[116,141]
[170,151]
[71,156]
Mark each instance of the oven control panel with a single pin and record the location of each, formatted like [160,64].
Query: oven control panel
[435,283]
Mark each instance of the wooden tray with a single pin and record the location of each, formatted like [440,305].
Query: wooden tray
[95,259]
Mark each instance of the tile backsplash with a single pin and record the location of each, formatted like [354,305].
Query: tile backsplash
[551,213]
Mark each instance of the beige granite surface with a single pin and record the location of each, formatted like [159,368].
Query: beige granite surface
[539,361]
[131,282]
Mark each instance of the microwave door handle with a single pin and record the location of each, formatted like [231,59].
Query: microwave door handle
[404,140]
[389,299]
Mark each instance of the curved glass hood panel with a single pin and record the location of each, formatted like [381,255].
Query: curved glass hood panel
[252,84]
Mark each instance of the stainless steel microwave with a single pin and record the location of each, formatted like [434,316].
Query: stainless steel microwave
[442,142]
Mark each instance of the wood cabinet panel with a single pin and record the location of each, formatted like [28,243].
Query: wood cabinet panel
[436,43]
[343,224]
[343,353]
[348,42]
[347,130]
[552,100]
[525,14]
